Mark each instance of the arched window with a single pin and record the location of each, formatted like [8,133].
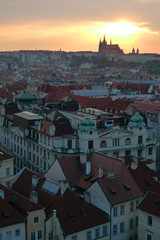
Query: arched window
[103,144]
[127,141]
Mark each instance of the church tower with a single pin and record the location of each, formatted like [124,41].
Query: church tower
[133,51]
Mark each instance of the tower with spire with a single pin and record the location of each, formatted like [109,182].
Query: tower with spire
[109,49]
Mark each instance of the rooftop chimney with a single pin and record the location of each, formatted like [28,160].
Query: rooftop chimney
[134,164]
[111,173]
[1,193]
[100,171]
[64,185]
[87,197]
[83,158]
[88,168]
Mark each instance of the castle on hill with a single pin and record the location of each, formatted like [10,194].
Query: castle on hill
[105,48]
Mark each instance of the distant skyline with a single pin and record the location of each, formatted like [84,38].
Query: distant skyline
[78,25]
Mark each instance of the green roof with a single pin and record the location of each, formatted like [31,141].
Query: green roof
[136,121]
[87,124]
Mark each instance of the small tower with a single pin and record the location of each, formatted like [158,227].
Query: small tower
[100,45]
[110,41]
[133,51]
[137,50]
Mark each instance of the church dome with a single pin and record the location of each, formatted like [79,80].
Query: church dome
[136,121]
[87,124]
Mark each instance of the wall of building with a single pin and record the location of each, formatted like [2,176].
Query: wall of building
[144,228]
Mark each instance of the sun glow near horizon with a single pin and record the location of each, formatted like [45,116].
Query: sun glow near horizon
[75,36]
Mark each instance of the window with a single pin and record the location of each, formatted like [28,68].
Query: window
[116,154]
[105,232]
[90,144]
[89,235]
[103,144]
[131,206]
[115,212]
[150,151]
[131,223]
[17,232]
[136,221]
[121,227]
[114,229]
[97,233]
[131,238]
[128,153]
[136,236]
[50,236]
[127,141]
[39,234]
[36,235]
[140,152]
[149,236]
[140,139]
[122,210]
[116,142]
[8,235]
[33,236]
[74,237]
[36,219]
[149,220]
[7,171]
[69,143]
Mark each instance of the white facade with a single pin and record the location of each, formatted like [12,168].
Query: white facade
[124,219]
[15,231]
[148,226]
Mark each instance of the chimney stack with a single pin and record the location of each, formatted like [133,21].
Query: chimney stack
[83,158]
[87,197]
[100,171]
[88,167]
[1,193]
[111,173]
[64,185]
[134,164]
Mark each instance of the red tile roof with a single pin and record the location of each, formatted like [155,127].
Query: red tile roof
[76,215]
[23,185]
[75,174]
[144,178]
[8,214]
[151,203]
[4,154]
[20,203]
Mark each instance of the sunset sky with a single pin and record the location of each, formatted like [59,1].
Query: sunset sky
[72,25]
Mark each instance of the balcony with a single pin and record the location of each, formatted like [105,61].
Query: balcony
[140,145]
[150,142]
[67,151]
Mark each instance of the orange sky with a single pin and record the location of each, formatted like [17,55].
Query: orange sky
[78,26]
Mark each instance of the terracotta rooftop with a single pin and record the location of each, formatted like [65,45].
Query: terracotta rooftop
[151,203]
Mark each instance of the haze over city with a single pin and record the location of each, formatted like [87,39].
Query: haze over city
[78,25]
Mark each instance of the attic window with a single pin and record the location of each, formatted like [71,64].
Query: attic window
[83,212]
[157,202]
[127,187]
[6,214]
[71,214]
[149,183]
[112,190]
